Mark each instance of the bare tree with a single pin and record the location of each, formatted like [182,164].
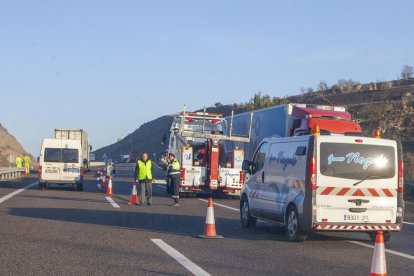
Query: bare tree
[309,90]
[322,86]
[407,72]
[302,90]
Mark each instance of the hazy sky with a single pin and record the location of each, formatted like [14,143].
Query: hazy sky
[109,66]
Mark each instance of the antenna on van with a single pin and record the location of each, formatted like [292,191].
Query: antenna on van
[231,123]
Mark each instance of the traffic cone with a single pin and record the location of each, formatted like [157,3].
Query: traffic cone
[134,195]
[210,226]
[109,188]
[379,265]
[103,183]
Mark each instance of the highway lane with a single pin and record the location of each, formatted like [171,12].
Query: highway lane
[61,231]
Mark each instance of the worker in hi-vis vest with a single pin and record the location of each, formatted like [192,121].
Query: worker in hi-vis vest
[174,173]
[19,162]
[26,163]
[144,172]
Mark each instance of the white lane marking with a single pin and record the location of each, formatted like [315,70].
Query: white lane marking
[221,205]
[386,250]
[180,258]
[409,223]
[6,197]
[113,203]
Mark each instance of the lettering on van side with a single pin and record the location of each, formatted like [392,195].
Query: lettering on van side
[356,158]
[280,158]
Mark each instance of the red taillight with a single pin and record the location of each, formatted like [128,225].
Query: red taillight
[400,176]
[183,174]
[241,177]
[312,173]
[39,170]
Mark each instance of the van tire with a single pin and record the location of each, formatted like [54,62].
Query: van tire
[245,217]
[293,232]
[42,186]
[373,236]
[79,187]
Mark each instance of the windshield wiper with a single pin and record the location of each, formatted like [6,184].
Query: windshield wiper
[365,178]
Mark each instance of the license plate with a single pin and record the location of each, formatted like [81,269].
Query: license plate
[51,171]
[71,170]
[351,217]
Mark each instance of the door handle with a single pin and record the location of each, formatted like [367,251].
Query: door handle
[263,177]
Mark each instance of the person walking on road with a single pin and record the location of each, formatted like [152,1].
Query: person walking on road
[144,172]
[26,163]
[175,178]
[19,162]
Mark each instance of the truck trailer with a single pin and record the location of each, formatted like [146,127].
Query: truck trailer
[290,120]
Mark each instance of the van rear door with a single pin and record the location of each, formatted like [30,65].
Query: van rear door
[52,166]
[71,164]
[357,181]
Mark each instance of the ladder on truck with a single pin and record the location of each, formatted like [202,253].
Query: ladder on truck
[213,142]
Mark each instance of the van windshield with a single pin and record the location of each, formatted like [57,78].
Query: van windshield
[59,155]
[357,161]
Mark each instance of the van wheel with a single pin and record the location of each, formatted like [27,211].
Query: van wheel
[79,186]
[293,232]
[373,236]
[245,217]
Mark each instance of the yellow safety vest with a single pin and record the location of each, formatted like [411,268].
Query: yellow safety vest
[145,170]
[175,166]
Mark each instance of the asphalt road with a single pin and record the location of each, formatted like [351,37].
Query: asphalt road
[60,231]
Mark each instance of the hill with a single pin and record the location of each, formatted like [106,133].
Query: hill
[9,148]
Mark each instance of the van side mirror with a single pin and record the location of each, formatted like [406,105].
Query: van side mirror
[246,166]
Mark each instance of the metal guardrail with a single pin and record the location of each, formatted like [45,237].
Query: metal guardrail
[10,173]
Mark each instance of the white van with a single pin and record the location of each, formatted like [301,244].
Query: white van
[61,162]
[325,183]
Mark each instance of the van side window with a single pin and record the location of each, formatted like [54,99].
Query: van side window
[259,158]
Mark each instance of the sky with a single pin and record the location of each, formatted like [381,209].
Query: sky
[109,66]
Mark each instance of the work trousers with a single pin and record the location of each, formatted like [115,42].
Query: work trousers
[175,179]
[145,188]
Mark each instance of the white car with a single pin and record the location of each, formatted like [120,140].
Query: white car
[325,183]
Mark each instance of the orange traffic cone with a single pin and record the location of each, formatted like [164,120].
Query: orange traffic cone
[210,227]
[103,183]
[109,188]
[134,195]
[379,265]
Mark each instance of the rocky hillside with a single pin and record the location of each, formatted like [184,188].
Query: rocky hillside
[9,148]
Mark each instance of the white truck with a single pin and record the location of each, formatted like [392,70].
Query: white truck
[80,135]
[196,139]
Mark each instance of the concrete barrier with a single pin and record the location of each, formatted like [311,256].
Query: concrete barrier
[10,173]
